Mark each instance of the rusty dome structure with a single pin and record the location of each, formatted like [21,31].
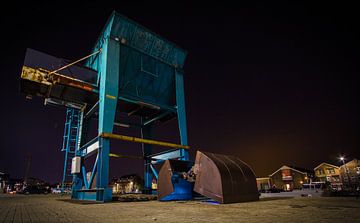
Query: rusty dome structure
[223,178]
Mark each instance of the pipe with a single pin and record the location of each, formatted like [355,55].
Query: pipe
[140,140]
[75,62]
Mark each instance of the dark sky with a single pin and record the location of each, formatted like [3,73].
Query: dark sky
[272,84]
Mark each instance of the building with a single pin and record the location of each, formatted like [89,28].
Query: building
[290,178]
[350,173]
[4,182]
[263,183]
[127,184]
[328,173]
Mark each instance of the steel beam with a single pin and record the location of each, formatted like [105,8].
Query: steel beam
[140,140]
[181,112]
[147,132]
[92,110]
[125,156]
[109,89]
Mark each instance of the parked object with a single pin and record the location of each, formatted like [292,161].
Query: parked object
[223,178]
[56,191]
[35,189]
[173,183]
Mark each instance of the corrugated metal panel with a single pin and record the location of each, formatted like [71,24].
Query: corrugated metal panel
[224,178]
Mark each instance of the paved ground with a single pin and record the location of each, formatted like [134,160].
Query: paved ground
[56,208]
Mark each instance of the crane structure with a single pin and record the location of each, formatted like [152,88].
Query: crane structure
[131,70]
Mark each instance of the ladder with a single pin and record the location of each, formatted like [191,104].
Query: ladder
[70,139]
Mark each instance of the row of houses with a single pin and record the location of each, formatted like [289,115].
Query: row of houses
[288,178]
[12,185]
[132,183]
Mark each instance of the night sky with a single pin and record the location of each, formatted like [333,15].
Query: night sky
[272,84]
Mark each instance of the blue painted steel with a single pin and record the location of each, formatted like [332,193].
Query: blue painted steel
[93,172]
[166,155]
[147,62]
[182,189]
[139,67]
[156,118]
[77,177]
[88,183]
[154,171]
[181,112]
[69,144]
[83,171]
[148,42]
[107,107]
[146,132]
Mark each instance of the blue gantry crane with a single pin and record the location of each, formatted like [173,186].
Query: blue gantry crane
[131,70]
[133,73]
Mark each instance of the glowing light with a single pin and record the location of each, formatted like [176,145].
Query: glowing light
[287,187]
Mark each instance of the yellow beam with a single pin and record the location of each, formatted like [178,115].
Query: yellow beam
[140,140]
[125,156]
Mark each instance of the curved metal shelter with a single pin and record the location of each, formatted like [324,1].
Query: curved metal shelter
[224,178]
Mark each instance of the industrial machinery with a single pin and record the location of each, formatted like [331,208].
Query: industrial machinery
[131,71]
[223,178]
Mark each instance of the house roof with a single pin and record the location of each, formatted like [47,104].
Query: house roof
[323,163]
[287,168]
[353,160]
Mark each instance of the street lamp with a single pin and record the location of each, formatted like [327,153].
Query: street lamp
[342,159]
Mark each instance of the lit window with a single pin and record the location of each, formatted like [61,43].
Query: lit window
[287,186]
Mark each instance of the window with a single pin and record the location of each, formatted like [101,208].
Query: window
[321,171]
[331,170]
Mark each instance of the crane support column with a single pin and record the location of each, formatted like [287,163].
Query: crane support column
[109,82]
[181,112]
[146,132]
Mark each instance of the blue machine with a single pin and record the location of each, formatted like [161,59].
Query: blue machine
[131,71]
[173,182]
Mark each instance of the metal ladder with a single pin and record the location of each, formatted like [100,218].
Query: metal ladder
[69,144]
